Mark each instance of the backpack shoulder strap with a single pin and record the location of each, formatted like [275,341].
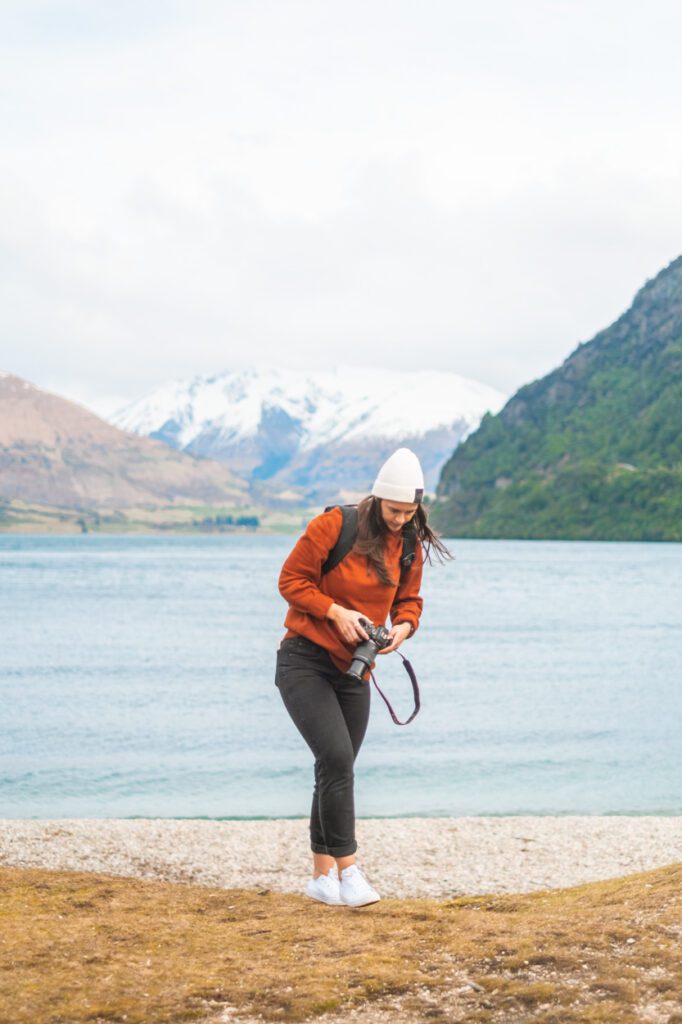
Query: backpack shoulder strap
[346,538]
[409,550]
[348,533]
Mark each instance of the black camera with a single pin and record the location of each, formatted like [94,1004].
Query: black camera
[365,653]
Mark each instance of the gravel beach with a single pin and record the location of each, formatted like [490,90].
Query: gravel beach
[437,857]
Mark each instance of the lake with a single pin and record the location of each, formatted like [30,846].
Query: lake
[137,679]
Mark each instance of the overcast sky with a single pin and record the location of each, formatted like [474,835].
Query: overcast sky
[199,186]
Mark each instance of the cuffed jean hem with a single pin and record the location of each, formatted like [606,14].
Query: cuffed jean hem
[335,851]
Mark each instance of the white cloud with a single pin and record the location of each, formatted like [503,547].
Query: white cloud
[194,187]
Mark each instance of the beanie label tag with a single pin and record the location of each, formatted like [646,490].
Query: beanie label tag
[419,494]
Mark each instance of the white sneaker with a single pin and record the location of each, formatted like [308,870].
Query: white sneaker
[355,890]
[325,889]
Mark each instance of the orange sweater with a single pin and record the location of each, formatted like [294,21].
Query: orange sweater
[352,584]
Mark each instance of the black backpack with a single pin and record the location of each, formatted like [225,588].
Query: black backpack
[349,531]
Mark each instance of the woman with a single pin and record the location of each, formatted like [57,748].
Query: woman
[324,626]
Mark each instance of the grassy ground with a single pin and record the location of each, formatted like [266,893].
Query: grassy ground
[81,947]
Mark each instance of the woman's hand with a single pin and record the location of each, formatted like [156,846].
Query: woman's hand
[347,621]
[397,634]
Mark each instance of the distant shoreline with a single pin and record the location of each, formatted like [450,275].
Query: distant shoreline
[18,517]
[31,530]
[288,531]
[22,519]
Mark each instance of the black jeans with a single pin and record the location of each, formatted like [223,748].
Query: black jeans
[331,713]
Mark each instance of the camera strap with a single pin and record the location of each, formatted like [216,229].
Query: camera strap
[415,690]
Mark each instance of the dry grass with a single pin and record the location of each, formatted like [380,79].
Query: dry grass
[80,947]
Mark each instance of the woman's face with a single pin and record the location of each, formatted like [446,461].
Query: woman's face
[396,513]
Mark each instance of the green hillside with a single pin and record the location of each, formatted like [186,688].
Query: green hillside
[594,449]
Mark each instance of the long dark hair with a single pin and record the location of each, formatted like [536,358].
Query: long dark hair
[373,531]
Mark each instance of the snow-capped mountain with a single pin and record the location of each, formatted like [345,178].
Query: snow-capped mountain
[313,435]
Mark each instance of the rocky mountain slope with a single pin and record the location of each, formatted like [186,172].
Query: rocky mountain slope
[592,450]
[55,452]
[313,436]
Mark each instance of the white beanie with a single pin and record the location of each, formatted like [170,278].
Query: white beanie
[400,478]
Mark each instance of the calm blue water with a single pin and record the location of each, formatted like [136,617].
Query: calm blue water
[137,678]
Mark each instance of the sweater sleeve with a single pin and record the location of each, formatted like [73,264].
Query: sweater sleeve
[299,580]
[407,604]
